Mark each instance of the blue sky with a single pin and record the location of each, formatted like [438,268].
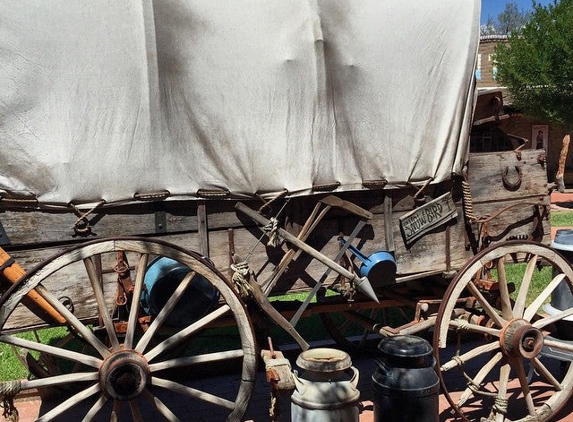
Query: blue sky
[494,7]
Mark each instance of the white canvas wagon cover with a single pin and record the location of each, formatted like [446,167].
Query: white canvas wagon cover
[106,99]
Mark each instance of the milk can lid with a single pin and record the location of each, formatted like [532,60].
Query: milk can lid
[324,360]
[405,346]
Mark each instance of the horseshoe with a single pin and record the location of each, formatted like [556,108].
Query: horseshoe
[511,186]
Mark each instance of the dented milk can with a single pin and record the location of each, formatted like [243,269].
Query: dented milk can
[325,387]
[406,386]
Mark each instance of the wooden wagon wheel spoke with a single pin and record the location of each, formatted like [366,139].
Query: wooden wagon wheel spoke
[135,305]
[502,331]
[524,384]
[77,325]
[98,405]
[135,412]
[532,309]
[160,406]
[504,374]
[69,403]
[199,305]
[192,392]
[488,308]
[164,313]
[559,345]
[545,322]
[56,380]
[196,360]
[185,333]
[460,360]
[464,325]
[519,306]
[478,379]
[506,309]
[546,373]
[51,350]
[96,282]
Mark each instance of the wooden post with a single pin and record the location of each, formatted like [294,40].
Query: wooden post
[203,228]
[13,272]
[559,177]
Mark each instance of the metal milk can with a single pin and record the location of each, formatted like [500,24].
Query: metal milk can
[406,386]
[561,297]
[325,388]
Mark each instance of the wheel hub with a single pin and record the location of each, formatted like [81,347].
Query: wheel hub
[123,375]
[521,339]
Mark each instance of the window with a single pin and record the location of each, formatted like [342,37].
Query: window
[490,139]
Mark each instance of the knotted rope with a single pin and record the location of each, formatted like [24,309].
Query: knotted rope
[463,324]
[272,231]
[82,225]
[9,390]
[240,273]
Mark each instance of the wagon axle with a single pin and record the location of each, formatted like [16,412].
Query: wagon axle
[123,375]
[520,339]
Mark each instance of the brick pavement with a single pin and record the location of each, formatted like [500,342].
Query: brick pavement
[187,410]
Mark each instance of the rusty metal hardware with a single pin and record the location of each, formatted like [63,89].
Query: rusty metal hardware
[511,186]
[125,286]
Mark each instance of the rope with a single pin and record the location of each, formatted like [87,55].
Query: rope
[240,272]
[268,203]
[467,204]
[272,231]
[82,224]
[273,407]
[463,324]
[9,390]
[500,405]
[419,194]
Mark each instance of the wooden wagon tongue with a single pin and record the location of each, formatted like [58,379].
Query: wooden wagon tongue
[362,284]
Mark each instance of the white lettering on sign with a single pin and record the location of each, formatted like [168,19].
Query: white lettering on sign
[427,217]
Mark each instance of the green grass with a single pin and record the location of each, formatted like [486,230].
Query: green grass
[11,367]
[561,218]
[541,278]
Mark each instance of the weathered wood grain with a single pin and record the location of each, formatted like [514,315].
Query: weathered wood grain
[37,235]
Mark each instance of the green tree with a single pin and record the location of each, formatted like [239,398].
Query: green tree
[536,65]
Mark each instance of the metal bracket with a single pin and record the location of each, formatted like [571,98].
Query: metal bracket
[160,219]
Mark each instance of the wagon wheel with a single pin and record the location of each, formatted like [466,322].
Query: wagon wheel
[506,358]
[126,369]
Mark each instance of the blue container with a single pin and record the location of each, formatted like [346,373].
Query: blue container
[162,278]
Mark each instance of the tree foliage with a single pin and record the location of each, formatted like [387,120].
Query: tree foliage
[537,64]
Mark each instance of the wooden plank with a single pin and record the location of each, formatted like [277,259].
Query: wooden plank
[203,228]
[486,172]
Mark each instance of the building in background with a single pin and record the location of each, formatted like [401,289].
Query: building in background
[513,129]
